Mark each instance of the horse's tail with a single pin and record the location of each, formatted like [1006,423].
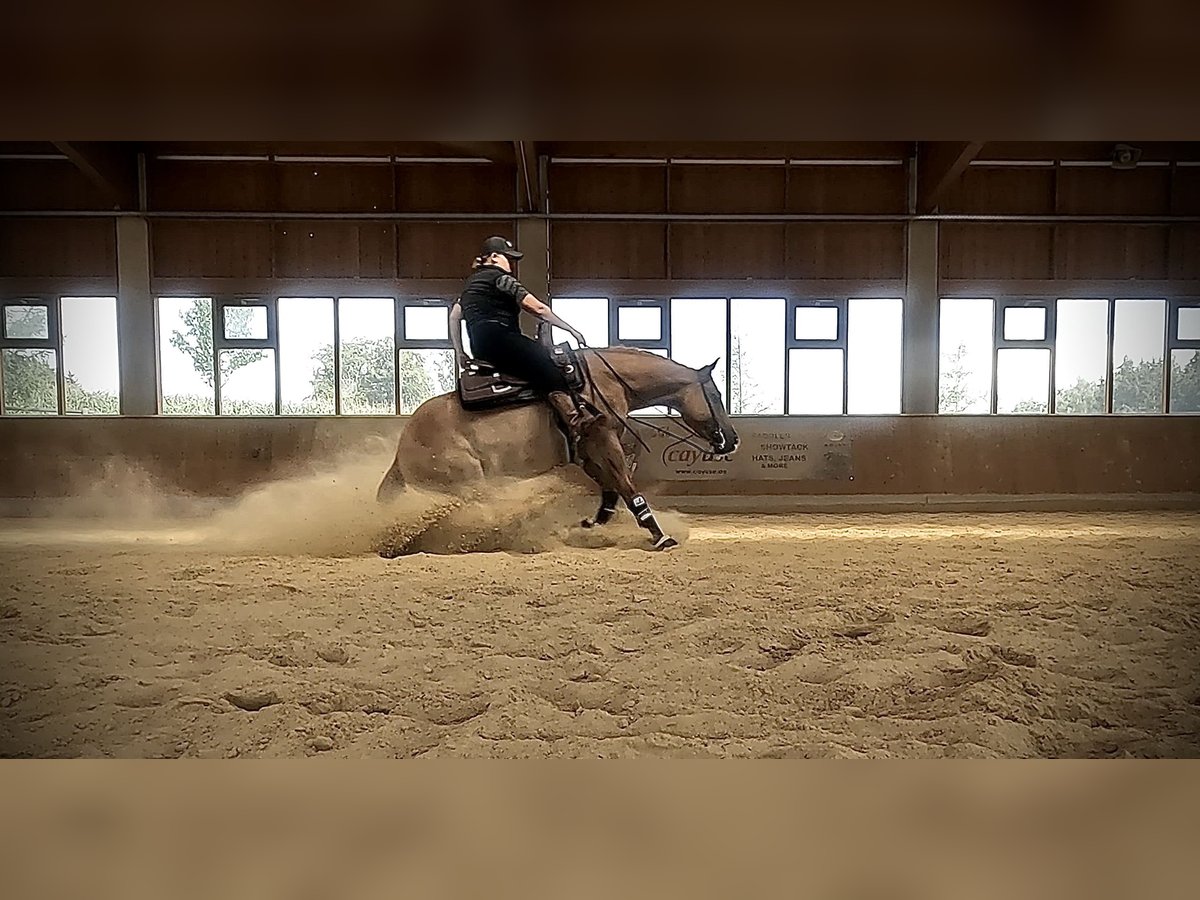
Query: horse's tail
[393,484]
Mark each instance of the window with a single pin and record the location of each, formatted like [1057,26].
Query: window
[1024,323]
[29,358]
[303,355]
[1073,356]
[816,360]
[641,323]
[306,356]
[875,338]
[247,358]
[367,345]
[588,314]
[27,319]
[698,332]
[90,358]
[1183,376]
[426,357]
[1138,349]
[815,382]
[1024,347]
[185,356]
[757,329]
[1187,321]
[58,355]
[1081,357]
[245,322]
[965,356]
[426,323]
[1022,380]
[816,323]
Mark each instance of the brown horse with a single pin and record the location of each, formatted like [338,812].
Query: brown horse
[445,447]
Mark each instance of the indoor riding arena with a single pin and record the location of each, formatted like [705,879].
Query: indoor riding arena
[961,518]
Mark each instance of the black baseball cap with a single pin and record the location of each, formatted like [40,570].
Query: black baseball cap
[503,246]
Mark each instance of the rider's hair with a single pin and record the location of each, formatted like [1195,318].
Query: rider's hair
[477,262]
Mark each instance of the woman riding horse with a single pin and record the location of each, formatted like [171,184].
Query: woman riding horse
[491,302]
[445,447]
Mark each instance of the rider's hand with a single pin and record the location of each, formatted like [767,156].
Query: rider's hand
[579,339]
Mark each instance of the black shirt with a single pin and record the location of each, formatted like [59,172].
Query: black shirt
[492,295]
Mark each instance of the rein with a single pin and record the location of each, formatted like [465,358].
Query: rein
[626,421]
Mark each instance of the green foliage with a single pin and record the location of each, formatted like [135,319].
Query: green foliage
[187,405]
[30,384]
[196,340]
[31,387]
[1081,398]
[1185,383]
[368,384]
[26,322]
[368,367]
[1137,388]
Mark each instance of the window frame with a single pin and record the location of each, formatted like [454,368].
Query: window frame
[52,342]
[1164,390]
[1170,340]
[220,342]
[1175,342]
[999,342]
[400,318]
[840,342]
[403,343]
[662,304]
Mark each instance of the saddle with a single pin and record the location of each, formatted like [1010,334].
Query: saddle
[482,386]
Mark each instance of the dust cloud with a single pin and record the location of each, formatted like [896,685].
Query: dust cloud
[331,511]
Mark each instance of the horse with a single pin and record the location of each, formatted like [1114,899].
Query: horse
[447,448]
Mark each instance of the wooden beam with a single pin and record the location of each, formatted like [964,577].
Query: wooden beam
[110,166]
[529,175]
[898,150]
[496,151]
[939,165]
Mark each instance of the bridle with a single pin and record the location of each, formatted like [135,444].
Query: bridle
[711,397]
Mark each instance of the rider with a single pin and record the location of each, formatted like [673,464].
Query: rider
[491,302]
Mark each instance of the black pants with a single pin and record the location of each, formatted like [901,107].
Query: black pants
[514,354]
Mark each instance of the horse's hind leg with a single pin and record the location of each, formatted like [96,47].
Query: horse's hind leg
[611,470]
[392,484]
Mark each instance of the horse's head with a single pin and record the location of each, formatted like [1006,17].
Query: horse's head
[702,410]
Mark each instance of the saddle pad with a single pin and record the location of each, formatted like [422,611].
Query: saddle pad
[480,386]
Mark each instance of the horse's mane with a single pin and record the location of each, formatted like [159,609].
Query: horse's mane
[660,367]
[638,353]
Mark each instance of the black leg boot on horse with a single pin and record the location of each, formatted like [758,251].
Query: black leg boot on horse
[606,463]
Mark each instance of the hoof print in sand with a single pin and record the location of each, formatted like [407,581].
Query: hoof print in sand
[969,625]
[252,701]
[336,655]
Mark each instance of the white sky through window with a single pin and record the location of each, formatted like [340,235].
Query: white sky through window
[89,332]
[757,328]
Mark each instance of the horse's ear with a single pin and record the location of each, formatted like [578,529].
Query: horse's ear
[712,365]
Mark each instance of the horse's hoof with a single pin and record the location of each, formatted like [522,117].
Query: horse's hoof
[587,523]
[665,543]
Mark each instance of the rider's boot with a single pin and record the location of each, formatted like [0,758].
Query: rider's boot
[576,419]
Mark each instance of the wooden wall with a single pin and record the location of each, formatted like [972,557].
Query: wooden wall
[323,248]
[677,249]
[891,455]
[624,255]
[240,249]
[1067,251]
